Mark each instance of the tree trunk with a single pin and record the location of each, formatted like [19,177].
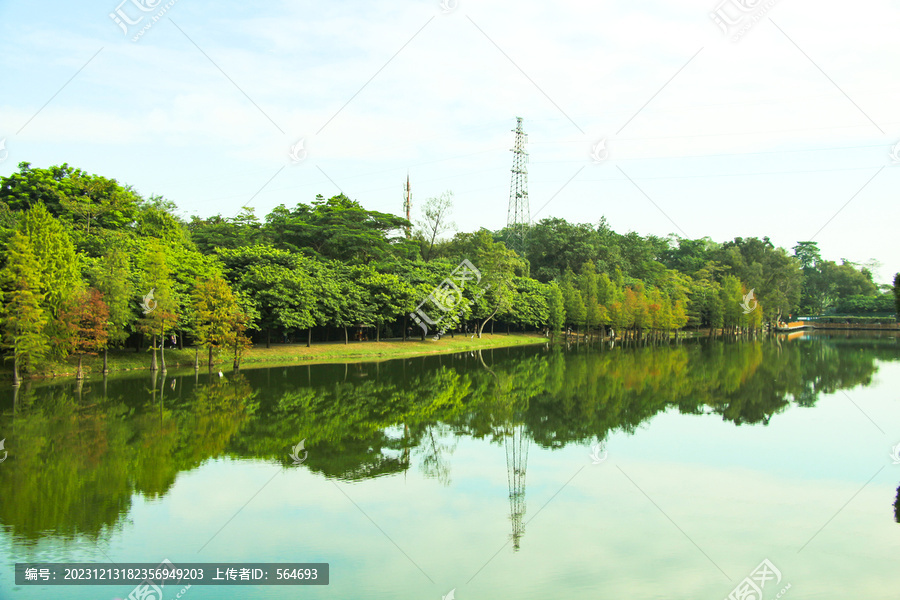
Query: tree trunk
[105,366]
[346,338]
[16,381]
[405,325]
[162,350]
[268,337]
[309,336]
[377,333]
[481,328]
[79,374]
[153,366]
[210,357]
[237,361]
[197,358]
[181,340]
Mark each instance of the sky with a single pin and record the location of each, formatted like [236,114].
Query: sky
[779,120]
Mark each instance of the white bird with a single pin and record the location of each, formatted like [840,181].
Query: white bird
[220,374]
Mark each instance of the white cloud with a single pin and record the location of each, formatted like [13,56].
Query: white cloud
[444,106]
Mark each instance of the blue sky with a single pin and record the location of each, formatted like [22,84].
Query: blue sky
[785,132]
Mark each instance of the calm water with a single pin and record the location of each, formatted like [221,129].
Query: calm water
[477,473]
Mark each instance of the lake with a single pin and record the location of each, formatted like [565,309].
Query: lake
[687,470]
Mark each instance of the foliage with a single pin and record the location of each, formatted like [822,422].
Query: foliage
[218,320]
[897,295]
[338,228]
[332,264]
[435,221]
[24,319]
[91,323]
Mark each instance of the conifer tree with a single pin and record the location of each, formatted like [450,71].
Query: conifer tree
[556,307]
[219,320]
[114,282]
[24,319]
[91,323]
[158,302]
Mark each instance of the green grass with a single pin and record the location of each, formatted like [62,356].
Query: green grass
[283,354]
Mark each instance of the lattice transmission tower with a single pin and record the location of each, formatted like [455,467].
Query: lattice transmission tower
[516,444]
[519,216]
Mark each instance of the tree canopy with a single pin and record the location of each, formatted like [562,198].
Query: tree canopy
[332,266]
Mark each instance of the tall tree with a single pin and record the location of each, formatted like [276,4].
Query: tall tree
[91,320]
[732,296]
[348,304]
[24,320]
[113,280]
[59,279]
[435,221]
[161,311]
[588,283]
[219,320]
[498,265]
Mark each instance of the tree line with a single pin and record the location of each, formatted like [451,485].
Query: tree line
[89,264]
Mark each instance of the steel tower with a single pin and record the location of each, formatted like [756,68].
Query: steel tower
[519,214]
[516,443]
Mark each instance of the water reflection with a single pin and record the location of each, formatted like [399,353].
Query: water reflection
[80,453]
[897,506]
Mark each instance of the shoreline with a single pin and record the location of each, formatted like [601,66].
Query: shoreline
[279,355]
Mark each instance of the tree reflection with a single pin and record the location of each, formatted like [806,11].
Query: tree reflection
[82,454]
[80,461]
[897,506]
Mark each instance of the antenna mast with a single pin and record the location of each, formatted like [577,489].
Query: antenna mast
[407,204]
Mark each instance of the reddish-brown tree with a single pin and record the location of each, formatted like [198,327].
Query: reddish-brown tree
[90,326]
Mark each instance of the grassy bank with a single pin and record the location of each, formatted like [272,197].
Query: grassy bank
[284,354]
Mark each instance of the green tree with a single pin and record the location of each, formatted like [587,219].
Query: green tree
[113,280]
[732,296]
[557,310]
[218,232]
[573,301]
[588,283]
[435,221]
[386,294]
[24,320]
[219,320]
[337,228]
[897,295]
[59,278]
[285,288]
[776,277]
[498,266]
[347,308]
[529,307]
[161,311]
